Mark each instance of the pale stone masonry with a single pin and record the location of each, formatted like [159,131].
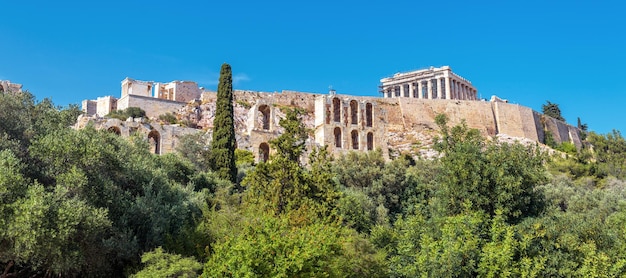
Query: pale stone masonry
[431,83]
[7,86]
[401,122]
[155,98]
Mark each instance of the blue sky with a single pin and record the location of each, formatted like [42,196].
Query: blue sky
[571,53]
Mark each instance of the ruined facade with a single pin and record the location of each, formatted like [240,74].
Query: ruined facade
[349,123]
[401,122]
[431,83]
[162,138]
[7,86]
[153,97]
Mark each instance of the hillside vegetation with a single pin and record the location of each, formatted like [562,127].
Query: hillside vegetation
[85,203]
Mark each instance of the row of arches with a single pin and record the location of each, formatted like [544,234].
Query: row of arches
[354,140]
[354,112]
[154,138]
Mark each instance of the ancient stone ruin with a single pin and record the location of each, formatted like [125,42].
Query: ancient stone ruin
[403,121]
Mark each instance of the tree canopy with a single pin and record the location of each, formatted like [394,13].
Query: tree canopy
[84,203]
[223,143]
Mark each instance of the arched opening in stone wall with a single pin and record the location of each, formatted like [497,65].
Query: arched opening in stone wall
[370,141]
[115,129]
[368,114]
[154,138]
[336,110]
[1,89]
[337,133]
[354,108]
[264,117]
[355,139]
[264,152]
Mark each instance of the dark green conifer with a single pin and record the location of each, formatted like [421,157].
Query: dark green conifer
[223,144]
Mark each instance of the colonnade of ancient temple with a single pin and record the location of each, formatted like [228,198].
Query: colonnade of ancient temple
[432,83]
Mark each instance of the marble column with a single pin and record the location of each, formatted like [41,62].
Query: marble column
[419,90]
[439,91]
[429,85]
[411,90]
[448,93]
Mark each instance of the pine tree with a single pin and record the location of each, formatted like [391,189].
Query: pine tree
[223,144]
[552,110]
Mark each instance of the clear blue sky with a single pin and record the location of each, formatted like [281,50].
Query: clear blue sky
[572,53]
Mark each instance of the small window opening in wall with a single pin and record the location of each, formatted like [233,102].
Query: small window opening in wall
[370,141]
[264,152]
[115,130]
[337,137]
[368,114]
[264,117]
[355,140]
[354,108]
[154,138]
[336,110]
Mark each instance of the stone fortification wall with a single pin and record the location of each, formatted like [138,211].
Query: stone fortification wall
[153,106]
[396,125]
[186,91]
[517,121]
[162,138]
[419,114]
[302,100]
[561,131]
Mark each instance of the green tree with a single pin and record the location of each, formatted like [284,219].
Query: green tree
[383,183]
[552,110]
[488,176]
[158,263]
[223,144]
[269,246]
[130,112]
[282,185]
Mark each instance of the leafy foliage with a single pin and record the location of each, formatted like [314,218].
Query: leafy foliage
[84,203]
[168,118]
[269,246]
[130,112]
[159,263]
[488,176]
[282,185]
[222,155]
[552,110]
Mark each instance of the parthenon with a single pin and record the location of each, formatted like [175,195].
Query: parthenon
[431,83]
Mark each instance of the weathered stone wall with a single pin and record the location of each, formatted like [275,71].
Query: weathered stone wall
[419,114]
[136,87]
[104,105]
[153,106]
[186,91]
[89,107]
[398,125]
[7,86]
[163,138]
[517,121]
[344,123]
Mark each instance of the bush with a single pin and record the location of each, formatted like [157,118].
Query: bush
[130,112]
[168,118]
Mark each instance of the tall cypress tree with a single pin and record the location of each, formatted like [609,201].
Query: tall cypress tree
[223,144]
